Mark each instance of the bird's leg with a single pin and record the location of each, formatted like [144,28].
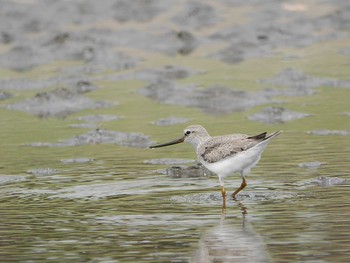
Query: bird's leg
[243,185]
[223,193]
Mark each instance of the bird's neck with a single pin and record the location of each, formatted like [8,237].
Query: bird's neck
[199,141]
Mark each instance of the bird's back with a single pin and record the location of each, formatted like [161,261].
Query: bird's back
[220,147]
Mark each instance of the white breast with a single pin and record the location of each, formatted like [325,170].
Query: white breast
[240,162]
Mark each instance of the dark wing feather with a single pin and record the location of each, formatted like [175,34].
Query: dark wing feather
[218,148]
[260,136]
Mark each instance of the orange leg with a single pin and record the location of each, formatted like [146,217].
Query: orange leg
[223,193]
[243,185]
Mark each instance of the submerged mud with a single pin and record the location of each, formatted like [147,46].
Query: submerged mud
[5,95]
[101,136]
[170,121]
[212,100]
[322,181]
[193,171]
[57,103]
[300,83]
[277,115]
[330,132]
[43,171]
[277,26]
[8,179]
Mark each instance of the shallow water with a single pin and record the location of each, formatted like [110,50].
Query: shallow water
[82,186]
[114,209]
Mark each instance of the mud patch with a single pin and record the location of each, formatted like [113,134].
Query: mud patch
[213,100]
[8,179]
[57,103]
[138,10]
[43,171]
[96,118]
[169,42]
[5,95]
[93,121]
[272,27]
[23,58]
[77,160]
[75,83]
[197,15]
[101,136]
[272,115]
[156,219]
[322,181]
[168,161]
[171,72]
[330,132]
[216,199]
[170,121]
[125,188]
[345,51]
[193,171]
[302,84]
[311,165]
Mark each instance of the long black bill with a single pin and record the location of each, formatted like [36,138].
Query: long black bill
[168,143]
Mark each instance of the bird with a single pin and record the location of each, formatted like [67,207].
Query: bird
[226,154]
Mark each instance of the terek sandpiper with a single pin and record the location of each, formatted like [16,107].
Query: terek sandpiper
[227,154]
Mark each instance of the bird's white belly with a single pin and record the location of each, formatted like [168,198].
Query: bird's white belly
[241,162]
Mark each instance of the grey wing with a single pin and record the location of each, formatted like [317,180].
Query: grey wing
[218,148]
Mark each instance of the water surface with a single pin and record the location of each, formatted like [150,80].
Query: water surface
[97,86]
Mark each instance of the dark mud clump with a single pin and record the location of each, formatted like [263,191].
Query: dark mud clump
[212,100]
[197,15]
[100,136]
[58,103]
[5,95]
[170,72]
[274,115]
[193,171]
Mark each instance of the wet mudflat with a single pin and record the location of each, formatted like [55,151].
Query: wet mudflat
[82,96]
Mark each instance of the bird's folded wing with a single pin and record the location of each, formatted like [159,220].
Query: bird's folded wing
[218,148]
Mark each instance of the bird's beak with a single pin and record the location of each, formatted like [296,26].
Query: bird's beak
[168,143]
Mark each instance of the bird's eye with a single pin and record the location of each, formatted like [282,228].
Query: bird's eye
[187,132]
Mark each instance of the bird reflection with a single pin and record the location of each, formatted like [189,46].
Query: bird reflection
[231,240]
[241,206]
